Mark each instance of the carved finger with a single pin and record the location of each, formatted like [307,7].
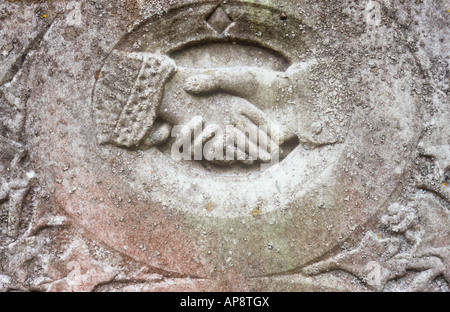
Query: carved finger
[251,149]
[214,151]
[258,117]
[201,84]
[259,135]
[202,145]
[187,132]
[195,132]
[159,134]
[239,81]
[234,154]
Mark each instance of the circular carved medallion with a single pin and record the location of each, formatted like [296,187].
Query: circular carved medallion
[206,66]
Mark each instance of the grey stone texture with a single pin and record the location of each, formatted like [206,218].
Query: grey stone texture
[356,97]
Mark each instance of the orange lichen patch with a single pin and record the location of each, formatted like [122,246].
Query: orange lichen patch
[99,75]
[256,212]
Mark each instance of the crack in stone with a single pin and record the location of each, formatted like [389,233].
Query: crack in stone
[17,65]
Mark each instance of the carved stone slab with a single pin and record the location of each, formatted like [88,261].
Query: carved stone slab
[341,182]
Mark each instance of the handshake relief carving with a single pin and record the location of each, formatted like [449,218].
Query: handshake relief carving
[224,115]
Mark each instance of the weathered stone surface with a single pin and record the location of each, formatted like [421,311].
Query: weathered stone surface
[355,93]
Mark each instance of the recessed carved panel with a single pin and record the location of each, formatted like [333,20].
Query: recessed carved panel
[244,66]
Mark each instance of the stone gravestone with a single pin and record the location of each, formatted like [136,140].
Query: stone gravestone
[224,145]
